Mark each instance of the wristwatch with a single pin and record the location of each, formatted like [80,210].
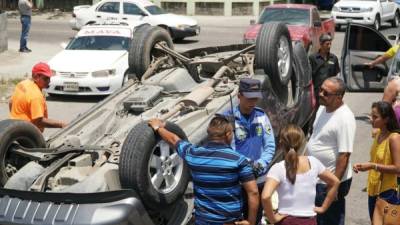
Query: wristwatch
[156,128]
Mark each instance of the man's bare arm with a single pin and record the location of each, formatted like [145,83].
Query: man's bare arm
[341,164]
[253,200]
[165,134]
[49,123]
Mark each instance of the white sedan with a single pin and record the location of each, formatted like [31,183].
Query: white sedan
[145,11]
[95,62]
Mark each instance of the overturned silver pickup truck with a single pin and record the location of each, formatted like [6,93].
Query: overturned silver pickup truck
[109,167]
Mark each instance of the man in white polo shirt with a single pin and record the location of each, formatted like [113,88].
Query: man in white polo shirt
[332,143]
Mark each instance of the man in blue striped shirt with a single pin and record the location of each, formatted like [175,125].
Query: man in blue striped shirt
[219,173]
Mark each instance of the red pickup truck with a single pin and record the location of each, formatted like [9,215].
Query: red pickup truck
[303,21]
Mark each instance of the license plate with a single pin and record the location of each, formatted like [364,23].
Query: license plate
[71,86]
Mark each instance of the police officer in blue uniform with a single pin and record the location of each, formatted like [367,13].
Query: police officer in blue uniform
[254,137]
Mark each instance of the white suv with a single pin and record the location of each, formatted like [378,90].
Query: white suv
[368,12]
[145,11]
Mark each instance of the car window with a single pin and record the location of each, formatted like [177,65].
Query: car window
[288,16]
[109,7]
[99,43]
[315,15]
[132,9]
[375,42]
[155,10]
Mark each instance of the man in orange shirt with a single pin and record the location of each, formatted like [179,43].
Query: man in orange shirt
[28,102]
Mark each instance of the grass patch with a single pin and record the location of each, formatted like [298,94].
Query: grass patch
[6,88]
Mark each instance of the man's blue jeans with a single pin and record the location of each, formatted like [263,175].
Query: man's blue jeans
[335,215]
[26,26]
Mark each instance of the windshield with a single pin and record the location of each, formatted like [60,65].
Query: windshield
[155,10]
[288,16]
[99,43]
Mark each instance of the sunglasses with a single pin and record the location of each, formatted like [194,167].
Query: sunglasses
[326,93]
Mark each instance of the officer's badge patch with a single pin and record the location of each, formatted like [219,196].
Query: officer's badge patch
[259,130]
[241,133]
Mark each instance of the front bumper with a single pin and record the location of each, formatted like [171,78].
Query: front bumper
[73,23]
[114,207]
[249,41]
[187,32]
[342,18]
[86,85]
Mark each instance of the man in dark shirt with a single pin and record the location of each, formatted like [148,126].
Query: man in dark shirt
[324,64]
[218,173]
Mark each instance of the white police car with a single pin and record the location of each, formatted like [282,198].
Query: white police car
[95,62]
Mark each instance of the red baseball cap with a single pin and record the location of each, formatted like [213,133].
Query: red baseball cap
[42,69]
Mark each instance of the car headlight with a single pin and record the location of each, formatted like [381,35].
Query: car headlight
[366,9]
[103,73]
[335,9]
[182,26]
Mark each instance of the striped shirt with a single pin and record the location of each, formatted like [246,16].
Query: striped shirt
[217,172]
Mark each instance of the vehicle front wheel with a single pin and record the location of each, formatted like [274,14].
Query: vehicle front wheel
[395,21]
[12,134]
[377,22]
[152,167]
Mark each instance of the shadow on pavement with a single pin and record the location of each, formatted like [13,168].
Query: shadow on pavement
[74,98]
[185,41]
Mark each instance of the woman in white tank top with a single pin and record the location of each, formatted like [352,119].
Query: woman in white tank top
[295,179]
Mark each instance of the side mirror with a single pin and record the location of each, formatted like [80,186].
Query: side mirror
[63,45]
[252,22]
[317,23]
[143,14]
[392,37]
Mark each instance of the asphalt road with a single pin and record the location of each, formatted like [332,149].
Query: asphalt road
[215,31]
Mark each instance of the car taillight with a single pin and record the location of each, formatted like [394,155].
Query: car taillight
[73,15]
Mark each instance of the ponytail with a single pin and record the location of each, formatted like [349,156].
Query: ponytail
[291,164]
[291,141]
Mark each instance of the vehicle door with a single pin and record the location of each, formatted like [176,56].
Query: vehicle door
[316,27]
[361,45]
[386,9]
[108,10]
[133,12]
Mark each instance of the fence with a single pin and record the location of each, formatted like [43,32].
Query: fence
[64,5]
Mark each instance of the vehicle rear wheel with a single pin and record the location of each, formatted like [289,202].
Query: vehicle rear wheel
[395,21]
[273,53]
[153,168]
[377,22]
[142,50]
[13,132]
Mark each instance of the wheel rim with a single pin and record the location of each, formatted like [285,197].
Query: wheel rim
[283,58]
[12,162]
[396,20]
[165,168]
